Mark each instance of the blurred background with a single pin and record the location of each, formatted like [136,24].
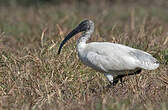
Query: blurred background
[162,3]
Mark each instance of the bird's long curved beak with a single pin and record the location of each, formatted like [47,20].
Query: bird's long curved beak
[70,35]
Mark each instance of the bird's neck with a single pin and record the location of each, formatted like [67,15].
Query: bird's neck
[81,43]
[83,38]
[86,35]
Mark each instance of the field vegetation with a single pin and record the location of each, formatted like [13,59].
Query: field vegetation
[34,76]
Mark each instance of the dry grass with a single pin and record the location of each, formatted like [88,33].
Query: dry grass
[33,76]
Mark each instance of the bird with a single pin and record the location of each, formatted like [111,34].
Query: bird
[114,60]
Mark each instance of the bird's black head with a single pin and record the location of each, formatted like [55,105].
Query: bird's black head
[86,25]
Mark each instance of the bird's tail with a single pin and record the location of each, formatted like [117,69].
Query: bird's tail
[150,65]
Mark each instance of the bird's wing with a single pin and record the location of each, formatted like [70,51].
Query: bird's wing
[110,57]
[146,60]
[113,57]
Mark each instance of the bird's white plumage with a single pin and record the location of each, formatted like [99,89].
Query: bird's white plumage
[110,58]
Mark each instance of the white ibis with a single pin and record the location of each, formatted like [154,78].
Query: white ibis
[114,60]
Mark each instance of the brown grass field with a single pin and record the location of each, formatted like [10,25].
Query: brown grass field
[34,77]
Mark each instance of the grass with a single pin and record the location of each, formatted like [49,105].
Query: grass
[33,76]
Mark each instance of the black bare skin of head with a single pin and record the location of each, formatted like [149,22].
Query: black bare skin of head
[83,26]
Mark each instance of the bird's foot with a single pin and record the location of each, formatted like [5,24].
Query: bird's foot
[114,80]
[112,83]
[120,78]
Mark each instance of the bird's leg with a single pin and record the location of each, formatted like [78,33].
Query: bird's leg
[121,80]
[138,71]
[120,77]
[114,79]
[111,79]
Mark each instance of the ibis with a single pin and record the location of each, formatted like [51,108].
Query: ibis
[112,59]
